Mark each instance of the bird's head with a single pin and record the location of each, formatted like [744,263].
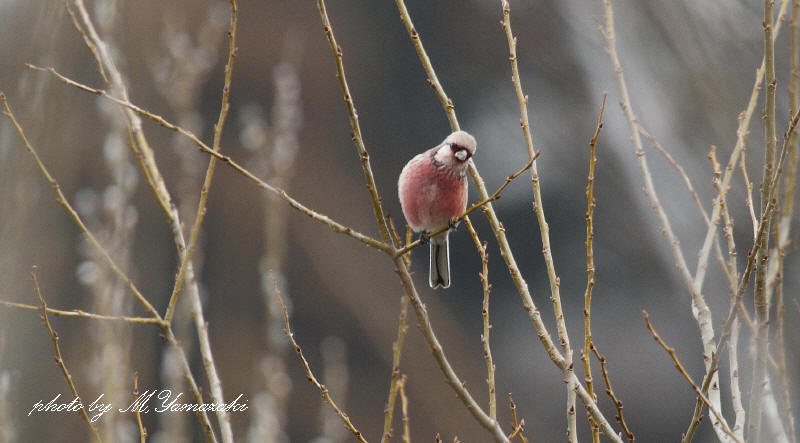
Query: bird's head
[456,150]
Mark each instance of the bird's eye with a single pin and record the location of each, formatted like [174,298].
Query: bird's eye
[461,154]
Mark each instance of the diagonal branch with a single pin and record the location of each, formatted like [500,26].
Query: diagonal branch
[356,133]
[336,226]
[212,162]
[697,390]
[62,200]
[59,360]
[310,374]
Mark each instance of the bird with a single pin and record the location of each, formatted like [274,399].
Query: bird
[433,192]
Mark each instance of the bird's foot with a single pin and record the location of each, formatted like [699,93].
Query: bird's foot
[453,224]
[423,238]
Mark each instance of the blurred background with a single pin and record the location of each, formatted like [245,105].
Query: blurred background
[690,67]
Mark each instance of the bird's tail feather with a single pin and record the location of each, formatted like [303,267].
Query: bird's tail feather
[439,272]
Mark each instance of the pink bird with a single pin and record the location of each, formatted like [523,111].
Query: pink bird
[433,192]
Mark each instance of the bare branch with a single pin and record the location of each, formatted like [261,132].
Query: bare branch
[84,314]
[487,349]
[590,270]
[59,360]
[310,375]
[679,366]
[336,226]
[212,162]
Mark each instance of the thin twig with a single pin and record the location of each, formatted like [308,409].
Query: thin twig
[748,186]
[424,323]
[679,366]
[59,360]
[394,385]
[401,387]
[87,41]
[169,335]
[83,314]
[142,430]
[590,270]
[487,349]
[620,417]
[309,374]
[519,426]
[212,162]
[687,181]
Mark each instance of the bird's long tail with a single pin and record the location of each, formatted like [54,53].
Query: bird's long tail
[439,271]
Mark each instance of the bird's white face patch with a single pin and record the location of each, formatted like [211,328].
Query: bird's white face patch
[461,155]
[443,154]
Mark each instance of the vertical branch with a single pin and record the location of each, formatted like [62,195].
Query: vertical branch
[760,297]
[487,350]
[587,297]
[748,186]
[519,426]
[401,386]
[784,227]
[733,347]
[736,391]
[59,360]
[544,228]
[142,430]
[396,383]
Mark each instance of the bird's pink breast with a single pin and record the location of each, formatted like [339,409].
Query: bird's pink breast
[430,197]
